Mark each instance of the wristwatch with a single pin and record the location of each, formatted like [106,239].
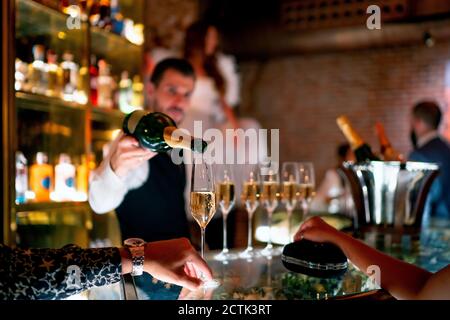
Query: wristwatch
[136,248]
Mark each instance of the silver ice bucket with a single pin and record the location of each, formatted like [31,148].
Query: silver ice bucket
[390,195]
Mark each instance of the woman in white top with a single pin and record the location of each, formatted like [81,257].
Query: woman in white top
[213,100]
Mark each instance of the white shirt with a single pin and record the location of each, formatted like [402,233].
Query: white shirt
[107,190]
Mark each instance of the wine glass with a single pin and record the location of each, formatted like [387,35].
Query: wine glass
[225,191]
[306,185]
[202,202]
[269,198]
[290,179]
[250,197]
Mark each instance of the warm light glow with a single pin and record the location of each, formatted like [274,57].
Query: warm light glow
[62,35]
[115,133]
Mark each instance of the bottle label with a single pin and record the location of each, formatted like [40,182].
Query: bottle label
[70,182]
[134,119]
[46,183]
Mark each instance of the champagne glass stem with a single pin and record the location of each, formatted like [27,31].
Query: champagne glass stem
[289,218]
[225,245]
[250,229]
[269,216]
[203,243]
[305,209]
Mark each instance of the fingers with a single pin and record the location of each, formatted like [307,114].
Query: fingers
[201,267]
[298,236]
[190,270]
[137,153]
[188,282]
[128,141]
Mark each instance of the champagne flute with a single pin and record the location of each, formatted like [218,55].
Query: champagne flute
[306,185]
[250,197]
[202,202]
[269,197]
[225,191]
[290,179]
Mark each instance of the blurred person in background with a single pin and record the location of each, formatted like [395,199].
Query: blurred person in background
[214,101]
[333,194]
[431,147]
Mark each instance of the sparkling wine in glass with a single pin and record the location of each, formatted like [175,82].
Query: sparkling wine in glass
[250,197]
[225,191]
[202,202]
[290,180]
[306,185]
[269,198]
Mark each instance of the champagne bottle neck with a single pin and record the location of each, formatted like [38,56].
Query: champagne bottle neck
[384,141]
[179,139]
[350,134]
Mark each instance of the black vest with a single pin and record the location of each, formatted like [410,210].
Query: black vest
[156,210]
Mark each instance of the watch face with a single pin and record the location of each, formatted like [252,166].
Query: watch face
[134,242]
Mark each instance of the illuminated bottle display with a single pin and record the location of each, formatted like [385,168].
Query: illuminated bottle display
[21,178]
[64,178]
[41,177]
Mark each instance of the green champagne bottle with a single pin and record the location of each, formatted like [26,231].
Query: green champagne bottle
[155,131]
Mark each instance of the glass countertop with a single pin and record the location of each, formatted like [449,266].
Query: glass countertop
[268,279]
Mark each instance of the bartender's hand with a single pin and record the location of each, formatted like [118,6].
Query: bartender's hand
[315,229]
[127,155]
[176,261]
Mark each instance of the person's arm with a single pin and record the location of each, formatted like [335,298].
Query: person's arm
[111,181]
[60,273]
[402,280]
[55,273]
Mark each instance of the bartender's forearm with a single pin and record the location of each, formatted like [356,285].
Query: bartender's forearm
[106,190]
[402,280]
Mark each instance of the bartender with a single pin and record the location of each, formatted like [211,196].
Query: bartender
[146,189]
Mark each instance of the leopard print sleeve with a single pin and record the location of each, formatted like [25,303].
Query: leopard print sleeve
[56,273]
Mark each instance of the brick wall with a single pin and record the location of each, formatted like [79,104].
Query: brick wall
[304,94]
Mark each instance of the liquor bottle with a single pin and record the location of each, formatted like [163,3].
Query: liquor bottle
[125,93]
[116,17]
[82,84]
[21,178]
[105,15]
[70,76]
[37,70]
[53,86]
[362,150]
[93,74]
[83,175]
[94,12]
[41,177]
[21,75]
[155,131]
[64,178]
[386,149]
[104,85]
[137,99]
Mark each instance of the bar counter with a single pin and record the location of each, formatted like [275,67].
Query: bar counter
[268,279]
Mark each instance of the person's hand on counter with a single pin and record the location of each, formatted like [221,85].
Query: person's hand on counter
[126,155]
[173,261]
[401,279]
